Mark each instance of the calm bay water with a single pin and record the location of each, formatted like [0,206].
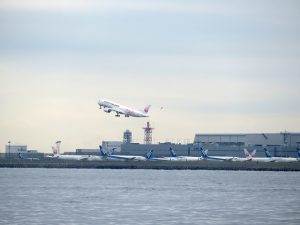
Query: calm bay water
[88,196]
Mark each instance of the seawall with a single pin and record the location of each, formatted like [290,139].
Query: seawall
[165,165]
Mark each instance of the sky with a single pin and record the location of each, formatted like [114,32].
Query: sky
[214,66]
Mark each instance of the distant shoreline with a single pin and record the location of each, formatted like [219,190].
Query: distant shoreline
[160,165]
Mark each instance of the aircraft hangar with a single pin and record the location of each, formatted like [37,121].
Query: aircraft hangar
[279,144]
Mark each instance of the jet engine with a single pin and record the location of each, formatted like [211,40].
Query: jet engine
[108,110]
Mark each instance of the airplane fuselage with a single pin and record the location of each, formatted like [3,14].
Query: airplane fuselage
[179,158]
[126,157]
[95,158]
[283,159]
[70,157]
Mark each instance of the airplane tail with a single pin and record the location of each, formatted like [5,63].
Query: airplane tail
[298,151]
[173,153]
[56,148]
[149,154]
[113,151]
[21,156]
[102,153]
[146,109]
[249,155]
[203,153]
[268,154]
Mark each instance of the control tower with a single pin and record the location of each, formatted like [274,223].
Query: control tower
[148,134]
[127,137]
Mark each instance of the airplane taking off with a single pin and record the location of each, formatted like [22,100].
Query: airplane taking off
[125,157]
[281,159]
[57,155]
[109,106]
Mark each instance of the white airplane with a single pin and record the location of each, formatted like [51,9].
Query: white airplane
[219,158]
[125,157]
[174,157]
[57,155]
[282,159]
[109,106]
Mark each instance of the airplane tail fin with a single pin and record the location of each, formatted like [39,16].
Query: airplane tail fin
[173,153]
[246,152]
[206,151]
[298,151]
[21,156]
[146,109]
[249,155]
[203,153]
[56,148]
[268,154]
[149,154]
[113,151]
[102,153]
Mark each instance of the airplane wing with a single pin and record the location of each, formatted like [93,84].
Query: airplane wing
[228,159]
[121,157]
[118,110]
[132,158]
[84,159]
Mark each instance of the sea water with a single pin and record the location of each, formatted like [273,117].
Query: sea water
[127,196]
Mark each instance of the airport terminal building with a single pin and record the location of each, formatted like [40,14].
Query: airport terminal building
[261,139]
[279,144]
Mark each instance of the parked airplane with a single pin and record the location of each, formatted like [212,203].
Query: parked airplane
[220,158]
[174,157]
[125,157]
[109,106]
[57,155]
[281,159]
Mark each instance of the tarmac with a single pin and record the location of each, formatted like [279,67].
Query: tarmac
[161,165]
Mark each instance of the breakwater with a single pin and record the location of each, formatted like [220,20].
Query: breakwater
[166,165]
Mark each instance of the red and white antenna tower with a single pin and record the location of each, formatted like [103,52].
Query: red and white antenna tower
[148,134]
